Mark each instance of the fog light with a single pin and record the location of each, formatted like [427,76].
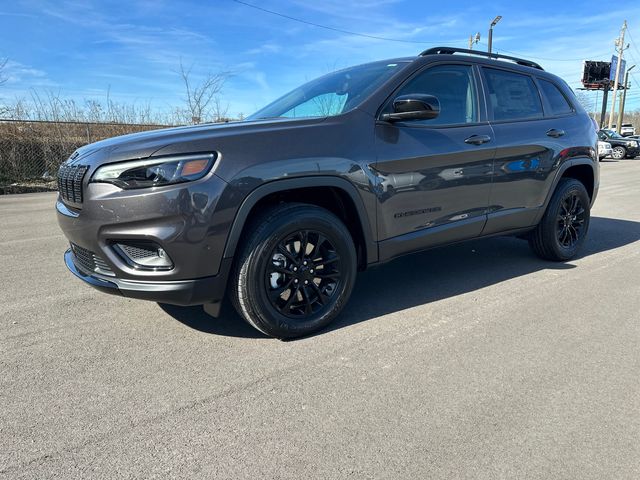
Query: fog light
[146,256]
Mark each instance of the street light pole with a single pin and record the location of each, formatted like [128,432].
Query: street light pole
[493,24]
[624,98]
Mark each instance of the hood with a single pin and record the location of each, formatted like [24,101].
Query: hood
[146,144]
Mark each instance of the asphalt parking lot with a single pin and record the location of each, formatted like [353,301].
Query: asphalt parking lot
[474,361]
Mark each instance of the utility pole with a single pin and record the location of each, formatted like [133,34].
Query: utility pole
[620,48]
[624,97]
[595,107]
[605,97]
[493,24]
[473,39]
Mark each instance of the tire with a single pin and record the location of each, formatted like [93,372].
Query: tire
[619,153]
[272,265]
[564,226]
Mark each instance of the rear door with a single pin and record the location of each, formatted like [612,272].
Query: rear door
[435,175]
[529,121]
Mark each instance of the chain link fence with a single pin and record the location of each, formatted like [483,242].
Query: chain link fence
[32,151]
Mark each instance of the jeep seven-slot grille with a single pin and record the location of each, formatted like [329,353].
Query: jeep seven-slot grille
[90,261]
[70,182]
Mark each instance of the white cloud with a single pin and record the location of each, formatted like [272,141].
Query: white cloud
[265,48]
[17,73]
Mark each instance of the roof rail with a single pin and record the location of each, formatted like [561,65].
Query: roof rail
[451,50]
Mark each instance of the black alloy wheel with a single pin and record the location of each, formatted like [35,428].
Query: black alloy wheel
[303,275]
[565,223]
[295,270]
[571,219]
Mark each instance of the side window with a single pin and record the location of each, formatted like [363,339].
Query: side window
[512,96]
[557,101]
[454,88]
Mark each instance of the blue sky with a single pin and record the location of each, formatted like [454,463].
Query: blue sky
[83,48]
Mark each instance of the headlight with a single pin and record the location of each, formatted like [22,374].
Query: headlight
[632,144]
[154,172]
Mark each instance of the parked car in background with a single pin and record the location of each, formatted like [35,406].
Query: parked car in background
[604,149]
[622,147]
[626,130]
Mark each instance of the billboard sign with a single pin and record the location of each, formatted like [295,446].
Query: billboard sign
[596,75]
[614,66]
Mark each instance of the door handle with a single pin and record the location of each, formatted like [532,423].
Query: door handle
[478,139]
[555,133]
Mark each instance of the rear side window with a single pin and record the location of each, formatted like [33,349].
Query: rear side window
[557,101]
[512,96]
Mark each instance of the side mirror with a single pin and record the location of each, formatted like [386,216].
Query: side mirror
[417,106]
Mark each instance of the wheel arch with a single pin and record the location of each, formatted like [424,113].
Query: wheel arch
[311,190]
[582,169]
[584,173]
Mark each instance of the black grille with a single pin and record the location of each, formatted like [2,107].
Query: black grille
[70,182]
[90,261]
[139,252]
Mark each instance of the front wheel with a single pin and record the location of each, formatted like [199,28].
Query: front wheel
[295,271]
[619,153]
[564,226]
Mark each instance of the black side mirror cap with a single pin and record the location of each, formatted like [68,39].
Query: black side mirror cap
[416,106]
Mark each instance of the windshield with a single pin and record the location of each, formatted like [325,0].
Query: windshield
[331,94]
[612,134]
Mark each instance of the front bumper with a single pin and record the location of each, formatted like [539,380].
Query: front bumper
[604,152]
[182,292]
[184,220]
[633,152]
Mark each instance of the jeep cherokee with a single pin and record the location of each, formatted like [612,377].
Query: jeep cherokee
[350,170]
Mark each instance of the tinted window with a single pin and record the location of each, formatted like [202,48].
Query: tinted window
[557,101]
[512,96]
[453,85]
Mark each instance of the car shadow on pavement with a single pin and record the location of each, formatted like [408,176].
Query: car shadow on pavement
[429,276]
[228,324]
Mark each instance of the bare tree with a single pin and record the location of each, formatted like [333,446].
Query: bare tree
[329,104]
[587,101]
[202,98]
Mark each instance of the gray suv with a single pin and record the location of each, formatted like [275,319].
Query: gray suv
[348,171]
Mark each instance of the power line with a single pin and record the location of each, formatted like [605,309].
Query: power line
[546,58]
[388,39]
[633,42]
[633,78]
[326,27]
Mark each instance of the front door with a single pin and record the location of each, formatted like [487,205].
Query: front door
[435,175]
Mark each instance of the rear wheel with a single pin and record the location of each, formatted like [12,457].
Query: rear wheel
[619,152]
[564,226]
[295,271]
